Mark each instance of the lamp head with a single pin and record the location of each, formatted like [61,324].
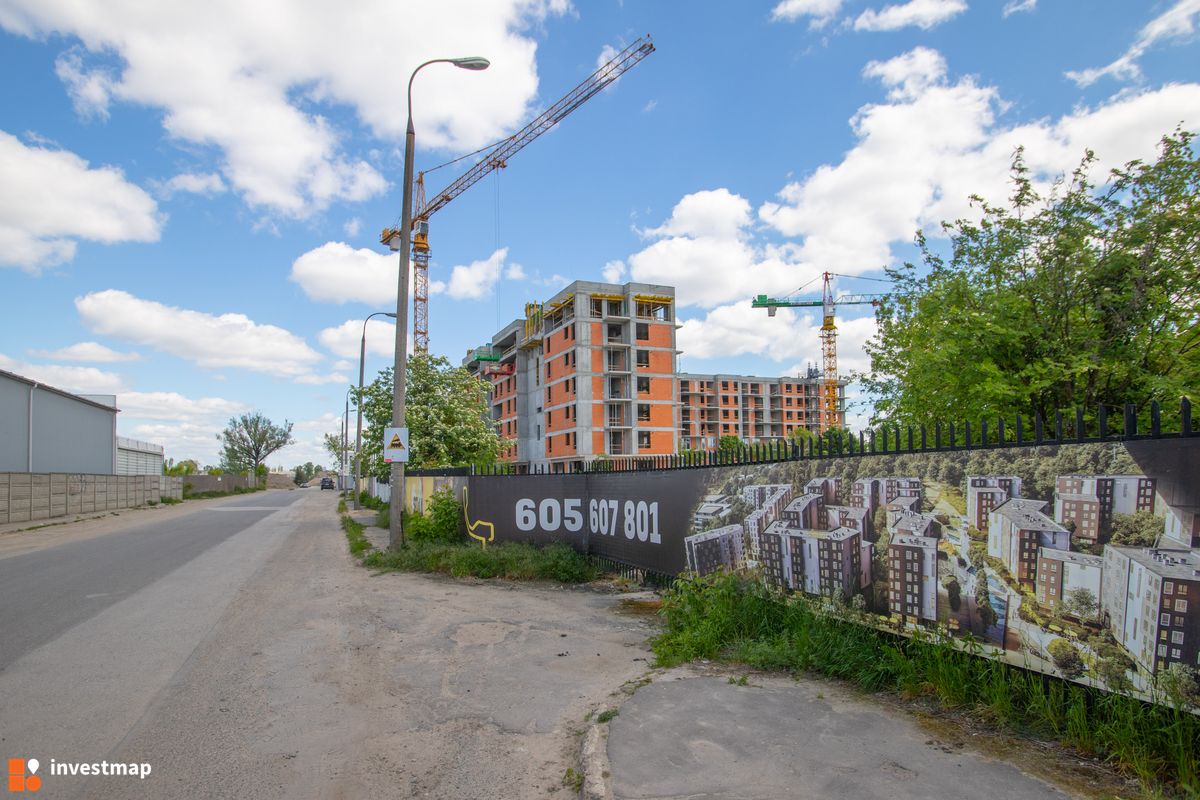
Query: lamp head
[471,62]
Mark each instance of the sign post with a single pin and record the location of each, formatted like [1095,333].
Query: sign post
[395,449]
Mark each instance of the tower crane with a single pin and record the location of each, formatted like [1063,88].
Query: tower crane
[829,378]
[494,159]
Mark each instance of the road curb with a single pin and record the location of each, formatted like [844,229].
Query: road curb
[597,778]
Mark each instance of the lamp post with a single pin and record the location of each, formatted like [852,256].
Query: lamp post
[362,357]
[342,476]
[395,516]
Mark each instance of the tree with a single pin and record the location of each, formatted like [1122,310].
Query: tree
[1086,296]
[248,440]
[954,594]
[729,444]
[1140,529]
[1066,657]
[186,467]
[1082,603]
[983,600]
[447,413]
[333,446]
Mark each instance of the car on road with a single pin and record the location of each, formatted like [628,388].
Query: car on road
[327,483]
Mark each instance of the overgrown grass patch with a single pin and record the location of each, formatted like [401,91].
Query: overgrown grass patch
[556,562]
[737,618]
[355,536]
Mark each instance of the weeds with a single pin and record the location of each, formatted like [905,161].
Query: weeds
[607,715]
[556,562]
[573,778]
[356,537]
[737,617]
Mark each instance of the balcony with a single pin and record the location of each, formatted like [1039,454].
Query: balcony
[617,391]
[616,362]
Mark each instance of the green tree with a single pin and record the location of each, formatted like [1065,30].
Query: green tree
[333,445]
[248,440]
[728,444]
[447,413]
[1082,297]
[188,466]
[1140,529]
[1066,657]
[1082,603]
[983,601]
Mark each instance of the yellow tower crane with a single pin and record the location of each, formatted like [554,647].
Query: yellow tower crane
[494,159]
[831,412]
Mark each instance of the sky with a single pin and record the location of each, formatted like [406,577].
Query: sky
[191,194]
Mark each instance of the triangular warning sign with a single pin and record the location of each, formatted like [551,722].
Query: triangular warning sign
[396,444]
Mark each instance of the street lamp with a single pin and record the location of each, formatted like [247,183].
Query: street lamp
[395,518]
[342,476]
[362,357]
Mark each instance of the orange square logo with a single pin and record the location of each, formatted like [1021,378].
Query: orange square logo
[18,781]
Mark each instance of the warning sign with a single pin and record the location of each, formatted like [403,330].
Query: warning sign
[395,445]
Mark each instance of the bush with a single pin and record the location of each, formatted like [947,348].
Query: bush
[441,524]
[556,562]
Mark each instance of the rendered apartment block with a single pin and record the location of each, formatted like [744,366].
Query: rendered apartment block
[912,577]
[829,488]
[1018,531]
[925,525]
[806,511]
[864,494]
[900,508]
[720,548]
[1089,501]
[752,408]
[850,517]
[1060,572]
[589,373]
[828,563]
[985,492]
[769,501]
[1182,526]
[712,509]
[1148,600]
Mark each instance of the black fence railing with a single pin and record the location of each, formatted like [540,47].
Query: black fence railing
[1106,424]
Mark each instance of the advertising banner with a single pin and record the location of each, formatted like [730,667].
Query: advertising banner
[1077,560]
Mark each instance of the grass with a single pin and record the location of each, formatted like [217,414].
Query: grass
[735,617]
[606,716]
[355,536]
[556,562]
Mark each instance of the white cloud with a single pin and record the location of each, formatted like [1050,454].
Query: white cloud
[207,184]
[476,280]
[1019,6]
[337,273]
[352,227]
[181,440]
[920,155]
[313,379]
[77,380]
[208,340]
[614,271]
[739,329]
[650,106]
[907,75]
[52,198]
[514,272]
[924,14]
[253,83]
[706,254]
[174,406]
[90,91]
[93,352]
[1178,23]
[821,11]
[345,340]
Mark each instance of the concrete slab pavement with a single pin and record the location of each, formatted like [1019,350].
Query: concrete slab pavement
[693,735]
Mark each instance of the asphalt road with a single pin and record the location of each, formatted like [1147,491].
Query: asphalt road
[46,592]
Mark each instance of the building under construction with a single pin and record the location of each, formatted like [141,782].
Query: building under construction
[592,373]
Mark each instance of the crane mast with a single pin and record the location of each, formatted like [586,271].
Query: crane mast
[494,159]
[830,411]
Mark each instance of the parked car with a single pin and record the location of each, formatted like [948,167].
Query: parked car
[327,483]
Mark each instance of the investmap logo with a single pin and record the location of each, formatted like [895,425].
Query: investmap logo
[22,775]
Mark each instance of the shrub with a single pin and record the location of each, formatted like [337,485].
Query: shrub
[1066,657]
[442,522]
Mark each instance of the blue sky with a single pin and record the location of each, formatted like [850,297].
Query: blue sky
[192,193]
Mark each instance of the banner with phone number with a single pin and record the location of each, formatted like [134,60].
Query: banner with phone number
[638,518]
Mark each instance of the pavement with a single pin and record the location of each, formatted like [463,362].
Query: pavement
[238,649]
